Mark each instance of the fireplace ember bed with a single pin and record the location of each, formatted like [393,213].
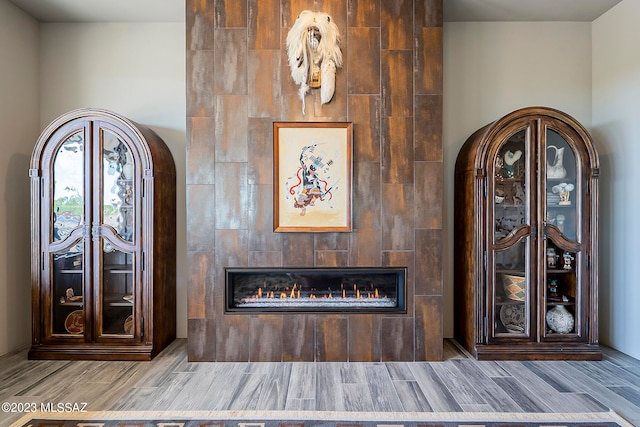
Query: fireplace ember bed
[332,289]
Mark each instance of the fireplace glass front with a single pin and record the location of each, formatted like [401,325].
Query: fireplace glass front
[339,289]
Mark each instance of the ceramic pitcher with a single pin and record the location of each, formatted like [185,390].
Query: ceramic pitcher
[555,169]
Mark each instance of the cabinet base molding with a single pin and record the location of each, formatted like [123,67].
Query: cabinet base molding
[538,351]
[92,352]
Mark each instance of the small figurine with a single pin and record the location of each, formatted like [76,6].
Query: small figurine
[70,296]
[552,258]
[519,195]
[563,190]
[553,288]
[567,260]
[510,158]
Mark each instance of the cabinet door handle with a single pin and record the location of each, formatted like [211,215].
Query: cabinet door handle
[86,232]
[96,233]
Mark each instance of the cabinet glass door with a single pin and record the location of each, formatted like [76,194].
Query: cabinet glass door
[68,291]
[116,216]
[510,198]
[65,237]
[117,186]
[118,292]
[562,238]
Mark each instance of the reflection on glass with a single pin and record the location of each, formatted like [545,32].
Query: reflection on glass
[561,188]
[68,295]
[512,258]
[68,187]
[118,292]
[118,188]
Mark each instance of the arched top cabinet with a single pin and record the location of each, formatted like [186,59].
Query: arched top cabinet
[103,191]
[526,214]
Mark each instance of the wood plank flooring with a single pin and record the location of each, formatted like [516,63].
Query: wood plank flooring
[459,383]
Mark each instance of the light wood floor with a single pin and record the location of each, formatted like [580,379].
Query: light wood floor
[459,383]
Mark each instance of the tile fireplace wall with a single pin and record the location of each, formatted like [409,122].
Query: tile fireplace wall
[390,87]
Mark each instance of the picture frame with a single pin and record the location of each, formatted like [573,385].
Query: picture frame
[312,176]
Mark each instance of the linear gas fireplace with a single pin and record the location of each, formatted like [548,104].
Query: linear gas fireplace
[339,289]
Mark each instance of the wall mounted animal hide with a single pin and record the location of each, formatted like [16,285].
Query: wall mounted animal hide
[314,54]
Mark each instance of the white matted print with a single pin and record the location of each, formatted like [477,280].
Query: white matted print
[312,176]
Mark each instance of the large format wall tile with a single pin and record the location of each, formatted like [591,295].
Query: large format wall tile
[390,88]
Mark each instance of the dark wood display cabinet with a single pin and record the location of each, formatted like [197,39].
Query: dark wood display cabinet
[103,239]
[526,242]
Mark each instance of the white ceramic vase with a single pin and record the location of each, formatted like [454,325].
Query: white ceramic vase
[560,320]
[556,170]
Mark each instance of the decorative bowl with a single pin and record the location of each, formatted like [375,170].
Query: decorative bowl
[499,199]
[514,329]
[514,287]
[512,317]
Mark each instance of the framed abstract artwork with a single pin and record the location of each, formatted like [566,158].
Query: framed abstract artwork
[312,176]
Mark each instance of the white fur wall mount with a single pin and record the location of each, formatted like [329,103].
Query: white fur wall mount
[313,50]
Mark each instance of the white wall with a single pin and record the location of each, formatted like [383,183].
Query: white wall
[616,131]
[134,69]
[18,132]
[493,68]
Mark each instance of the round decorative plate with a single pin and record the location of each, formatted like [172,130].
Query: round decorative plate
[128,325]
[74,323]
[512,317]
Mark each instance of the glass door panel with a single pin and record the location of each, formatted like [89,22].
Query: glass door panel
[511,290]
[66,298]
[561,189]
[562,237]
[561,291]
[68,291]
[118,188]
[118,291]
[68,187]
[511,226]
[114,221]
[510,198]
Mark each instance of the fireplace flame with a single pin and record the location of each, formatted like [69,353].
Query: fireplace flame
[296,293]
